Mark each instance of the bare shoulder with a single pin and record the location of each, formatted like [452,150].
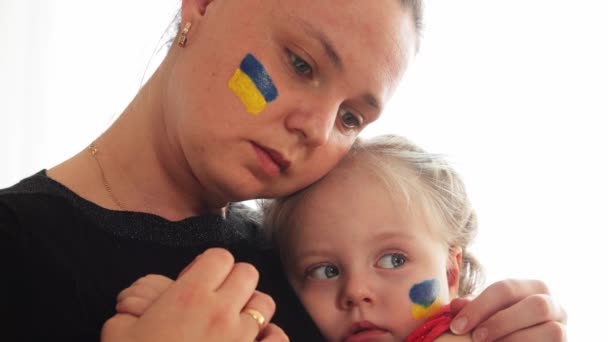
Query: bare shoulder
[449,337]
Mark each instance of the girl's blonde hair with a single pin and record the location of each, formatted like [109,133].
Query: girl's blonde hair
[416,176]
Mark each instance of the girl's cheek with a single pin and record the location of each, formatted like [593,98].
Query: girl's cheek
[425,297]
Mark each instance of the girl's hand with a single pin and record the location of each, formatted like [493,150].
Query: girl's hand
[511,310]
[137,298]
[208,302]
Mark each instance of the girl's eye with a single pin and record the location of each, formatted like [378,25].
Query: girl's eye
[300,65]
[349,119]
[392,260]
[324,272]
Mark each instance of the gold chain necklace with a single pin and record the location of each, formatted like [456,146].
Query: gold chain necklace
[94,151]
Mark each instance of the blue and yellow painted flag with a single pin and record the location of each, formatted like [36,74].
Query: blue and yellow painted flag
[252,84]
[424,295]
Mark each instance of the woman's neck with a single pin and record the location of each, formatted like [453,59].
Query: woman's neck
[138,165]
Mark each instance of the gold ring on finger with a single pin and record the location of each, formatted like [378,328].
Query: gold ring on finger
[257,316]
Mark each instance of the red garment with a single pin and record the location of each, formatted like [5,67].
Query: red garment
[433,327]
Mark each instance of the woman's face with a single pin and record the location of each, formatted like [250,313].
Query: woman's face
[268,96]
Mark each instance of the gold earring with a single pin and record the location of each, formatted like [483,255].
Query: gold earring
[183,35]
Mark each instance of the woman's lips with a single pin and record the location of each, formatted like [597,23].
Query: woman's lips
[271,161]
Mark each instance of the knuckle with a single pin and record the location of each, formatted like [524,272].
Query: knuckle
[248,270]
[220,254]
[110,322]
[135,288]
[506,288]
[126,293]
[128,305]
[276,333]
[122,294]
[283,337]
[555,331]
[138,290]
[540,286]
[269,302]
[131,302]
[218,319]
[564,318]
[541,306]
[150,278]
[110,325]
[137,281]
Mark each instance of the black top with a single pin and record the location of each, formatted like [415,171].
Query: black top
[64,260]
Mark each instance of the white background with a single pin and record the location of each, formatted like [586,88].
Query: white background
[514,92]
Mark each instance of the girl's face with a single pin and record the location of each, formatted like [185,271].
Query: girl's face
[365,266]
[268,96]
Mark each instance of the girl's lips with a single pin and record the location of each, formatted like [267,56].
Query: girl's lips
[365,331]
[271,161]
[366,335]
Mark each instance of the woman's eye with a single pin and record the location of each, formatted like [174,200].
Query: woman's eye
[392,260]
[324,272]
[300,65]
[350,120]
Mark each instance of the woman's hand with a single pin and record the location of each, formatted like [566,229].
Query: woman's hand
[208,302]
[448,337]
[511,310]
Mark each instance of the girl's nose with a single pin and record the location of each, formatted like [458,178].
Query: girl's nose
[356,292]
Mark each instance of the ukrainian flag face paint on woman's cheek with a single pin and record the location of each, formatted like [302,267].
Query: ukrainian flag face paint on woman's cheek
[252,85]
[425,295]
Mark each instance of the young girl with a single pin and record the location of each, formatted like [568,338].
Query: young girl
[377,249]
[380,244]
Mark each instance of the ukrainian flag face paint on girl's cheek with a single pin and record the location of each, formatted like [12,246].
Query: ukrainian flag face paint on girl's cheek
[424,296]
[252,85]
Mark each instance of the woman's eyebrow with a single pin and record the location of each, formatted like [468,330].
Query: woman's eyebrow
[323,39]
[372,101]
[332,53]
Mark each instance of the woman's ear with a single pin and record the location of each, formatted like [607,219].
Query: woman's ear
[193,8]
[453,271]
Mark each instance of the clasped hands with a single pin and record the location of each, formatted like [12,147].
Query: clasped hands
[214,299]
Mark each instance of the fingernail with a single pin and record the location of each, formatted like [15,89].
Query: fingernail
[458,325]
[480,335]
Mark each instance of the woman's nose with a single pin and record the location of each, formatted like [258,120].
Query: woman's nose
[314,123]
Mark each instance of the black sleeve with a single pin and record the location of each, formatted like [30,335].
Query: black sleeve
[11,266]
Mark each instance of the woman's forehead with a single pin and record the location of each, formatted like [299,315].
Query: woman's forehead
[373,24]
[370,41]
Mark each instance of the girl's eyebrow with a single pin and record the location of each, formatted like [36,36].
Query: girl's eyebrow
[392,235]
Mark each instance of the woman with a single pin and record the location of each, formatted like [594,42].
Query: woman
[254,99]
